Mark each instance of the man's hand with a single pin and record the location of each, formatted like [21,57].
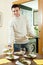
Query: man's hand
[29,36]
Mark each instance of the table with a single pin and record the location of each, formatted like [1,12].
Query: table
[13,61]
[39,56]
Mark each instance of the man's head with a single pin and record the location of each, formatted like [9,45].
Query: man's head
[16,10]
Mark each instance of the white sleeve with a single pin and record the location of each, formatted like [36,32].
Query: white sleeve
[30,28]
[11,35]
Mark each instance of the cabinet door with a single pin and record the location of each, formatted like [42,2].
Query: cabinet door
[40,44]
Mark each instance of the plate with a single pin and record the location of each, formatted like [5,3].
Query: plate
[24,61]
[19,53]
[19,63]
[5,50]
[30,56]
[8,57]
[15,57]
[33,55]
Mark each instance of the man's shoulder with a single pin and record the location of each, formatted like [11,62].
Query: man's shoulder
[13,19]
[11,22]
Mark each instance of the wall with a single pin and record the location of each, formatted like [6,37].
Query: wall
[6,15]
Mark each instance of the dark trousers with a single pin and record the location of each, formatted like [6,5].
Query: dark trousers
[17,47]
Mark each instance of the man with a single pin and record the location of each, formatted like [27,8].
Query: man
[19,29]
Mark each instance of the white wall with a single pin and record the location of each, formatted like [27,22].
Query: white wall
[5,6]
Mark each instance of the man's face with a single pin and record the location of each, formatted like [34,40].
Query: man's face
[16,11]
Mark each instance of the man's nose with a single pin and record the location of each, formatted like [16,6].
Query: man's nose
[15,12]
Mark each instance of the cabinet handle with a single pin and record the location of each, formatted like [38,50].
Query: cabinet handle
[39,31]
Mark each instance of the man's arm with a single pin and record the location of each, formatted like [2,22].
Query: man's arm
[30,29]
[11,36]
